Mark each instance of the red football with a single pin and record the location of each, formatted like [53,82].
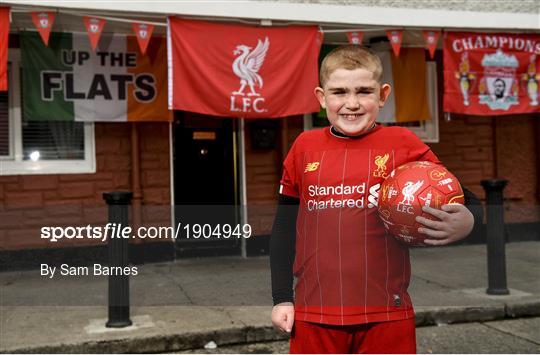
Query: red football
[410,187]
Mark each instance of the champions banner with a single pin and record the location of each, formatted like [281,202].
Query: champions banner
[491,74]
[69,81]
[242,71]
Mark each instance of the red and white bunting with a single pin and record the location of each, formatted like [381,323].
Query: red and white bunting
[94,27]
[43,22]
[431,38]
[355,37]
[395,37]
[143,32]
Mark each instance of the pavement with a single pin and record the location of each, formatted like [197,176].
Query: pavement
[190,303]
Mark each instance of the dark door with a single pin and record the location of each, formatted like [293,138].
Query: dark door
[205,185]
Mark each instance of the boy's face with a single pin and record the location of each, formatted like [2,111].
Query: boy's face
[352,99]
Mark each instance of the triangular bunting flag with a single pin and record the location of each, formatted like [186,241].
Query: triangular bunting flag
[143,32]
[431,38]
[94,27]
[395,37]
[355,37]
[43,22]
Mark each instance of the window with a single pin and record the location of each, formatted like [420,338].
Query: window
[40,147]
[427,131]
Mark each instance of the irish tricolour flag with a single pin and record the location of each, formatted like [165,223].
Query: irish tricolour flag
[409,100]
[69,81]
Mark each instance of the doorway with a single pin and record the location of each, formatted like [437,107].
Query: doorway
[205,185]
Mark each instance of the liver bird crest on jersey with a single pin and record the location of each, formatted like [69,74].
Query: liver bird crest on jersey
[246,66]
[380,161]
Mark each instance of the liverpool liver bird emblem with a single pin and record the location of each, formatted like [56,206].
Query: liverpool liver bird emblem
[246,66]
[409,190]
[380,161]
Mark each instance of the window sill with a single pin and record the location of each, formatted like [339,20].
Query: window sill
[46,167]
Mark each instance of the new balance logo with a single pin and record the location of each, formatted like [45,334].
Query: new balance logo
[311,166]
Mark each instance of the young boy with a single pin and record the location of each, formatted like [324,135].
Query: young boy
[352,278]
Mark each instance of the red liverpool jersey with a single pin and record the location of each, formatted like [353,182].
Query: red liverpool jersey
[348,270]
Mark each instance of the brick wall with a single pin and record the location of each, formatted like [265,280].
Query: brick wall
[29,202]
[263,172]
[467,148]
[517,161]
[262,180]
[155,174]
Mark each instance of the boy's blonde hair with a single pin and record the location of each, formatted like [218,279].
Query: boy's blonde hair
[350,57]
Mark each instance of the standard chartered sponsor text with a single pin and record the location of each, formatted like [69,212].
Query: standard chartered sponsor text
[341,196]
[341,189]
[114,230]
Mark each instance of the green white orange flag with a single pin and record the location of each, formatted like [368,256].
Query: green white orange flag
[43,22]
[408,101]
[69,81]
[4,35]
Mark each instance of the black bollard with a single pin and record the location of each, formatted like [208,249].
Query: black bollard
[118,256]
[495,237]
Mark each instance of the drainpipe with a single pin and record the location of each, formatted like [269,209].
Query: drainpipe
[495,148]
[284,141]
[136,179]
[243,182]
[538,160]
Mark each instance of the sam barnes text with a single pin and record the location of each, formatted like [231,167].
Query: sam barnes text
[95,270]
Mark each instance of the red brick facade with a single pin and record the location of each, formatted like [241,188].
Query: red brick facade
[29,202]
[263,172]
[467,148]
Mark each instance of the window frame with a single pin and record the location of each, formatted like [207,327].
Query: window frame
[13,164]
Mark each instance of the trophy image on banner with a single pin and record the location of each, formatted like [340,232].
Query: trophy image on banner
[465,78]
[531,81]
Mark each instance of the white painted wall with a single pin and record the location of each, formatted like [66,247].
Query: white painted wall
[336,13]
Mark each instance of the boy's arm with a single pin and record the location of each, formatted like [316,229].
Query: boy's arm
[454,223]
[282,251]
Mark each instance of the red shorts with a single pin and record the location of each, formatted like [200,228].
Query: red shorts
[373,338]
